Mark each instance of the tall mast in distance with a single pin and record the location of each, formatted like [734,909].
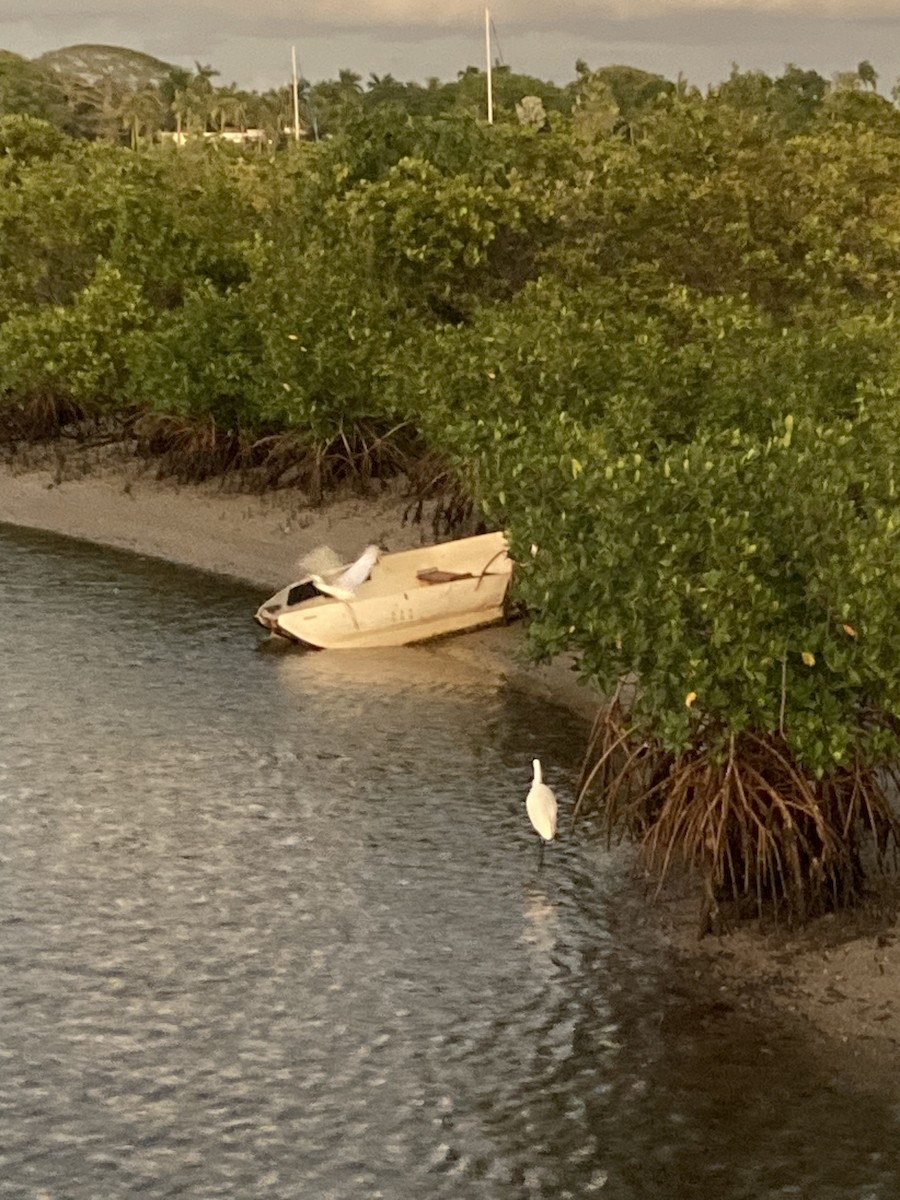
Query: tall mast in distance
[296,94]
[487,51]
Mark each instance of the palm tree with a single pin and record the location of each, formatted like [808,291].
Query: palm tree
[229,107]
[201,96]
[349,82]
[193,100]
[180,106]
[272,113]
[140,113]
[332,101]
[201,83]
[868,74]
[177,80]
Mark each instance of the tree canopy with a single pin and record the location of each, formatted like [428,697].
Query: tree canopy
[651,334]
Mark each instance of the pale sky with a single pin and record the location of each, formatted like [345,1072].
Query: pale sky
[249,41]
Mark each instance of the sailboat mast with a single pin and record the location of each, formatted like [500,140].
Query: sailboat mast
[487,51]
[296,94]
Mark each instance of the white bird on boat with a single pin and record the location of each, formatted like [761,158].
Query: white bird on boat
[343,586]
[540,804]
[330,589]
[360,570]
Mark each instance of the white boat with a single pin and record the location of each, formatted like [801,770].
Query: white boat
[408,597]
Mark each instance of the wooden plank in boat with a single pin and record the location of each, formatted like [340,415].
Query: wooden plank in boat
[435,575]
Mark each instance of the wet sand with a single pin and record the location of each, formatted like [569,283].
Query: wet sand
[841,975]
[257,539]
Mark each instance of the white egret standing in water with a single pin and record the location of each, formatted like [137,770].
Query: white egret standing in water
[540,804]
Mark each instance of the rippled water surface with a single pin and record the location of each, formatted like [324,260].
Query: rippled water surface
[272,927]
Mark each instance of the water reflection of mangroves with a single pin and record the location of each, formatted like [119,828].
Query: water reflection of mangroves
[392,669]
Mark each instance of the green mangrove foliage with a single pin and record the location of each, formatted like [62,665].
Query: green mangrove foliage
[704,507]
[651,333]
[61,365]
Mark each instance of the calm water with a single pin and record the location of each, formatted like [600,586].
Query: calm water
[272,927]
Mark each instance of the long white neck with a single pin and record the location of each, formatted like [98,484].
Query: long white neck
[538,777]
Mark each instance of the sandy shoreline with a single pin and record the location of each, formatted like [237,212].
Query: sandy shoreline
[256,539]
[841,976]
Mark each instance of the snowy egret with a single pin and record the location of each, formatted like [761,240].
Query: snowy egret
[540,804]
[360,570]
[329,589]
[343,585]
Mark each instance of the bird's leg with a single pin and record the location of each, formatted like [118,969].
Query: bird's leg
[540,852]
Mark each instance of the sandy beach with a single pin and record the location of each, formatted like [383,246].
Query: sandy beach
[840,976]
[257,539]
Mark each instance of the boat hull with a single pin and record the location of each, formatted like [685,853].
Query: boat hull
[412,596]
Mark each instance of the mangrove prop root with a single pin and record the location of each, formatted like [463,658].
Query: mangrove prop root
[742,814]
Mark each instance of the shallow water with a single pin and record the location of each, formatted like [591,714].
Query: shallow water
[272,927]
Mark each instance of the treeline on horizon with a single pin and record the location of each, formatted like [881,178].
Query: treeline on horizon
[652,333]
[123,95]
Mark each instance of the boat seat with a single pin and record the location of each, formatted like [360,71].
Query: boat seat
[435,575]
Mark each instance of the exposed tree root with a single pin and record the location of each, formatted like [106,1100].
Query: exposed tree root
[41,418]
[196,449]
[193,450]
[433,483]
[763,835]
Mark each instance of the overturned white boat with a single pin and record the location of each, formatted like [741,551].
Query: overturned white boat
[405,597]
